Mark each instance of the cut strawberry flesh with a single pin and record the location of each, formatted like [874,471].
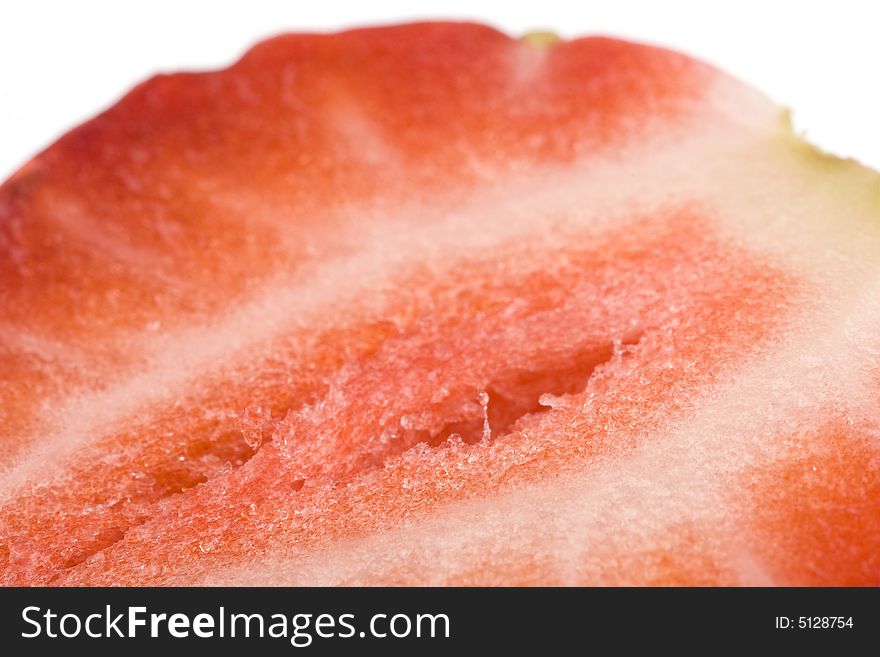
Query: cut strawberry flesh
[427,304]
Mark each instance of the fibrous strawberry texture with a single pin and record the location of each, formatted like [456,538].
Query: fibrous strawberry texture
[430,305]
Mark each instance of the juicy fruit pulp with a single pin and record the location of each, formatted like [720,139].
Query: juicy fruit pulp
[427,304]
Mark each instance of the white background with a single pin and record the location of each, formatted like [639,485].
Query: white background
[61,62]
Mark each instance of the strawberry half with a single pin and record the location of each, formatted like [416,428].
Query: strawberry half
[430,305]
